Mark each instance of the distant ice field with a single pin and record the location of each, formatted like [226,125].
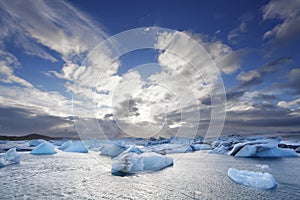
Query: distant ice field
[68,175]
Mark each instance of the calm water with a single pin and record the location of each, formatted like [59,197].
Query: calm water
[87,176]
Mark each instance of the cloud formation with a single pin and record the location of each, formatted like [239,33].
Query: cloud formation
[7,62]
[235,34]
[56,25]
[255,77]
[288,13]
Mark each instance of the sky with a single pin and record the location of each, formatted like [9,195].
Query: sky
[149,68]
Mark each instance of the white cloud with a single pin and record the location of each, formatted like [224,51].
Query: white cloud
[51,103]
[55,24]
[288,12]
[289,104]
[248,76]
[7,62]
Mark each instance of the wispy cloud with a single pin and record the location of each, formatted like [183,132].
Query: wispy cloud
[7,62]
[255,77]
[235,34]
[54,24]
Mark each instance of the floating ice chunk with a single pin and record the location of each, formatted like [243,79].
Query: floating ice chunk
[277,152]
[76,146]
[261,152]
[34,143]
[181,140]
[261,180]
[221,149]
[262,166]
[65,145]
[129,163]
[197,147]
[133,149]
[112,149]
[44,148]
[10,157]
[261,148]
[169,148]
[247,151]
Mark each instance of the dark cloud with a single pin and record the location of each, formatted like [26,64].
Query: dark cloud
[17,121]
[294,78]
[256,77]
[266,97]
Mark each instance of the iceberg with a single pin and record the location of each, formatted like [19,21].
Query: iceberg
[169,148]
[263,151]
[277,152]
[130,163]
[10,157]
[34,143]
[222,148]
[260,180]
[76,146]
[112,149]
[65,145]
[181,140]
[197,147]
[44,148]
[261,148]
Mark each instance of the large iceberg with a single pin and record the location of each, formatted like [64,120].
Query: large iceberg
[261,180]
[44,148]
[10,157]
[130,163]
[76,146]
[261,148]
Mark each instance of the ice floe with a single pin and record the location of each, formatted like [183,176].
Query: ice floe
[10,157]
[130,163]
[260,180]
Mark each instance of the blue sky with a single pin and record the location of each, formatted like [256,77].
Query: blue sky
[255,45]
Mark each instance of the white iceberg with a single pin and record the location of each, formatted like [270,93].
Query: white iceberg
[261,180]
[44,148]
[130,163]
[112,149]
[10,157]
[76,146]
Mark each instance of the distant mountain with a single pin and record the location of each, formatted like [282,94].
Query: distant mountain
[31,137]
